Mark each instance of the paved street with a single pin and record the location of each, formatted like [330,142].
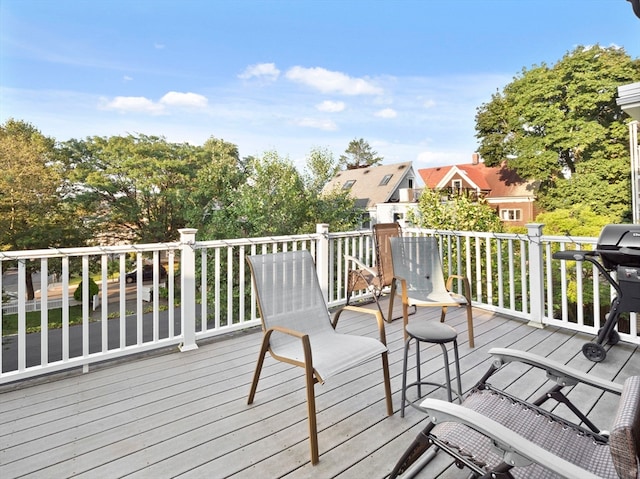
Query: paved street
[9,343]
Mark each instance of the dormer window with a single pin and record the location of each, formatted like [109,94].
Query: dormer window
[348,184]
[385,180]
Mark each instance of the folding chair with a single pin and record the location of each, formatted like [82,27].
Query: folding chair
[298,329]
[496,435]
[374,279]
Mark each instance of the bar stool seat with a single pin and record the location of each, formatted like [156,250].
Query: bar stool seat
[433,332]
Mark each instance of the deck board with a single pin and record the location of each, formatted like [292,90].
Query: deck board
[185,414]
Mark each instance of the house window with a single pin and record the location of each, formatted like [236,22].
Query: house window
[456,185]
[410,182]
[511,215]
[385,180]
[348,184]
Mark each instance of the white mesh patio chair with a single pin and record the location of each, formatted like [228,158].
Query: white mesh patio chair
[417,268]
[298,330]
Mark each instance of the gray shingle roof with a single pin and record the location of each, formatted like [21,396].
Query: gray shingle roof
[367,188]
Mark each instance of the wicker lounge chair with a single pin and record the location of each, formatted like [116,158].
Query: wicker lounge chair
[417,267]
[298,330]
[496,435]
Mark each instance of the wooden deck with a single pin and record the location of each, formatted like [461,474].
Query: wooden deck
[185,414]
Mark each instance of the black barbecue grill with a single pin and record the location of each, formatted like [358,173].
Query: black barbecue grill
[617,250]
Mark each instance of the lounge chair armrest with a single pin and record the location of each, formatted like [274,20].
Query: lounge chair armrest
[561,373]
[375,312]
[517,450]
[360,264]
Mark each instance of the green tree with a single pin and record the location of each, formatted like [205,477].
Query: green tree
[561,125]
[359,154]
[458,213]
[320,168]
[272,200]
[136,186]
[210,206]
[578,220]
[336,208]
[34,213]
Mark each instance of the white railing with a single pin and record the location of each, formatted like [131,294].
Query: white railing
[208,291]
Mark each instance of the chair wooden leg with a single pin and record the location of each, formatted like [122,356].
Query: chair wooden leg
[311,410]
[387,382]
[256,374]
[391,298]
[470,326]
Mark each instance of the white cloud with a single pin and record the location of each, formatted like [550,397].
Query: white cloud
[140,104]
[386,113]
[429,103]
[158,46]
[266,71]
[332,82]
[127,78]
[320,124]
[184,100]
[331,106]
[135,104]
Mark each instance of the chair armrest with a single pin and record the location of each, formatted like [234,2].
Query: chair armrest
[360,264]
[561,373]
[289,331]
[466,287]
[375,312]
[516,450]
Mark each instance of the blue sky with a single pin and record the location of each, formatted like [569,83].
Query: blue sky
[407,76]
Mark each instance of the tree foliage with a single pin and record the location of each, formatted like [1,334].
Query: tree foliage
[34,209]
[137,186]
[561,125]
[33,213]
[272,199]
[320,168]
[458,213]
[359,154]
[578,220]
[210,206]
[336,208]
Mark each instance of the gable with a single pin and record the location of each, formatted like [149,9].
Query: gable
[372,185]
[498,182]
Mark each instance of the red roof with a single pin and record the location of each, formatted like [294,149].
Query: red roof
[499,181]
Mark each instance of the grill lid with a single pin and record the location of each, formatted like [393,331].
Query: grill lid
[619,245]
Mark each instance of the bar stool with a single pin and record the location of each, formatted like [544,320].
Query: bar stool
[436,333]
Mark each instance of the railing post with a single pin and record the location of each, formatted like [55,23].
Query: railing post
[322,258]
[536,275]
[188,288]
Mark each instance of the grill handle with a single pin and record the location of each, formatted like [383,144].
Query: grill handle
[590,256]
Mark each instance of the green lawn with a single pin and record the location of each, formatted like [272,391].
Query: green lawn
[10,321]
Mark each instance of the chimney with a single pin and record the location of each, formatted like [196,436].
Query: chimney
[475,158]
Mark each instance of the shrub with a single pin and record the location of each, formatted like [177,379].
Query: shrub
[93,290]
